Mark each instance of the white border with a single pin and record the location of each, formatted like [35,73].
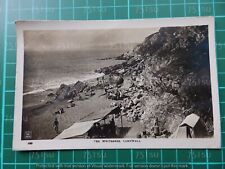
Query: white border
[19,144]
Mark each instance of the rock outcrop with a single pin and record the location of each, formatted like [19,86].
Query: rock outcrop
[70,91]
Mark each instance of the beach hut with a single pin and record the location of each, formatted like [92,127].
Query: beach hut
[191,127]
[81,129]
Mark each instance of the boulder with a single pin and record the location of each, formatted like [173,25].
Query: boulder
[136,101]
[62,92]
[51,94]
[79,86]
[70,91]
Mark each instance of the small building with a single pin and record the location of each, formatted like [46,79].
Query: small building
[191,127]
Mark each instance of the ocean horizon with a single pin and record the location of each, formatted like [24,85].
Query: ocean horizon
[44,71]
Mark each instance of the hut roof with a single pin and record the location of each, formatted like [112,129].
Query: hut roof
[77,129]
[191,120]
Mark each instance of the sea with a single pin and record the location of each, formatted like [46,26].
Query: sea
[48,70]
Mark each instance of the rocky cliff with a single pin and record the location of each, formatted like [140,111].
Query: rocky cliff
[173,65]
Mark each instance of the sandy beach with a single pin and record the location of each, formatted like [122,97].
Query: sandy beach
[39,116]
[42,117]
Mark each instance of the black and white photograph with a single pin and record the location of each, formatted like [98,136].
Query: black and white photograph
[116,84]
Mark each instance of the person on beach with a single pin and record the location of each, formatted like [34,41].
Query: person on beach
[106,90]
[61,110]
[56,125]
[103,80]
[117,94]
[112,127]
[188,132]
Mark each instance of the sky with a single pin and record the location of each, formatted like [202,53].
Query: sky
[71,40]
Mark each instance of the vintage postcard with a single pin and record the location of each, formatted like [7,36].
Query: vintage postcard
[116,84]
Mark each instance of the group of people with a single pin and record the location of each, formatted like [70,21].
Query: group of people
[56,125]
[103,130]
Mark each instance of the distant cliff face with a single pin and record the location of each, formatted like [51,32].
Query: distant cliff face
[174,64]
[178,56]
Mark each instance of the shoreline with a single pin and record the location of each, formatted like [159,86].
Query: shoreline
[88,79]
